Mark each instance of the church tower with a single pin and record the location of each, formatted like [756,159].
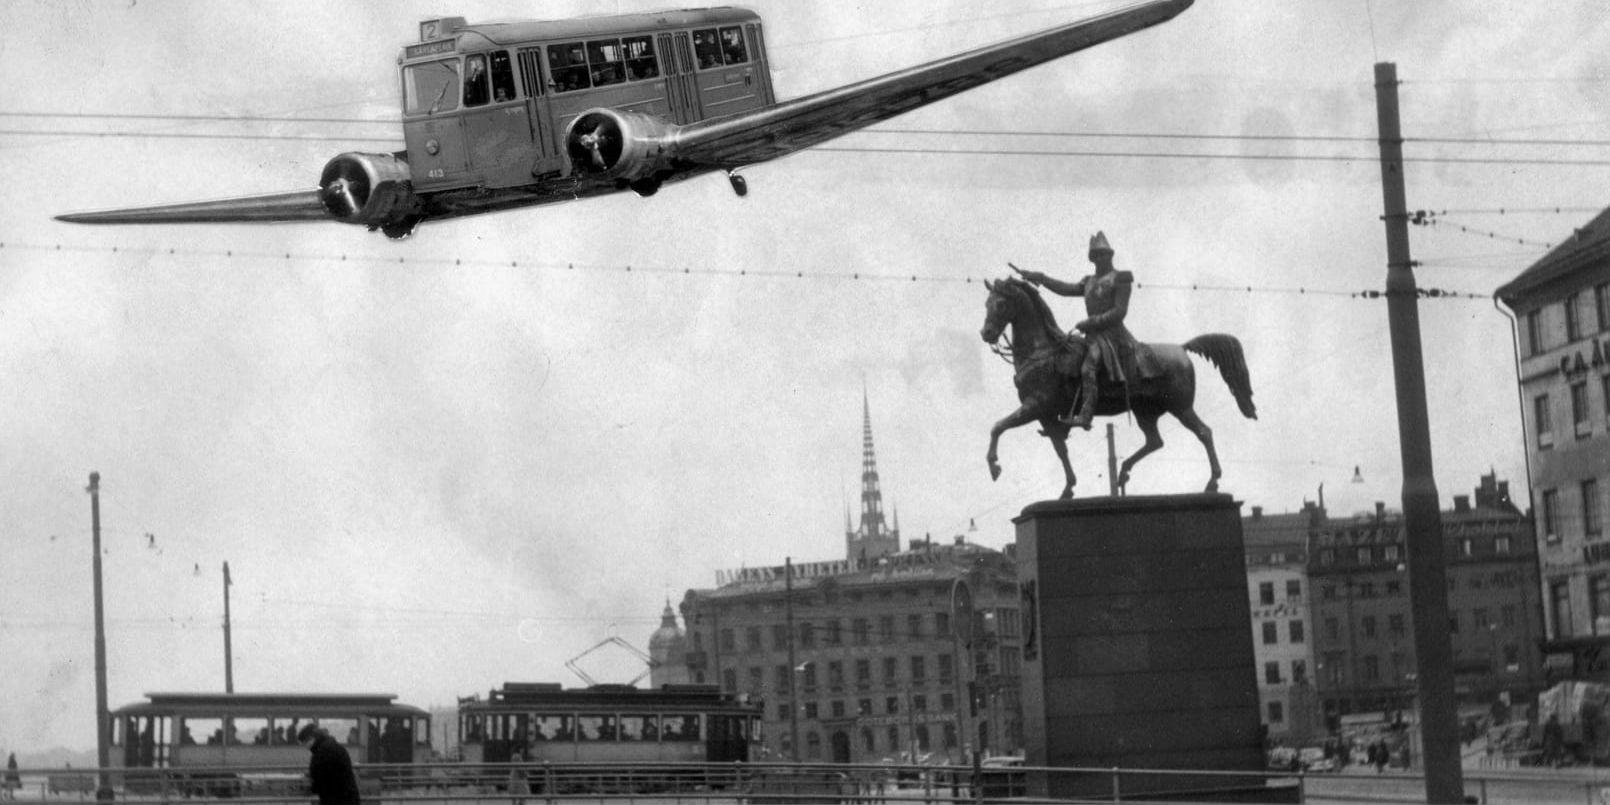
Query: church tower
[668,648]
[874,537]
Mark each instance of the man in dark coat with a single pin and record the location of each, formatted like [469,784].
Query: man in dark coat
[330,769]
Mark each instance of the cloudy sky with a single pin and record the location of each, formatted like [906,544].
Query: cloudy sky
[432,471]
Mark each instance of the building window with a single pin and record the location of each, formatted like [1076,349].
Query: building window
[1507,613]
[950,735]
[1501,545]
[1333,629]
[861,631]
[1369,625]
[757,679]
[1394,587]
[1296,631]
[894,739]
[1592,519]
[1271,673]
[1372,668]
[1299,671]
[782,680]
[1394,625]
[863,707]
[729,680]
[1580,419]
[1481,618]
[837,709]
[779,636]
[807,635]
[919,703]
[914,626]
[1573,318]
[813,745]
[1601,304]
[941,624]
[1541,421]
[1467,546]
[1551,520]
[1266,593]
[835,674]
[727,640]
[947,668]
[1453,622]
[891,670]
[1334,668]
[1392,553]
[752,639]
[923,744]
[1599,603]
[1270,637]
[919,669]
[1327,557]
[1365,555]
[1277,713]
[886,628]
[1294,589]
[1534,332]
[1560,608]
[1328,592]
[834,635]
[863,673]
[891,705]
[783,711]
[867,744]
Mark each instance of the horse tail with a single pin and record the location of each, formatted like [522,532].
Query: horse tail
[1224,351]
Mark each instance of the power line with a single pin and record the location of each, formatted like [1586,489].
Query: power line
[1369,159]
[199,118]
[178,135]
[541,265]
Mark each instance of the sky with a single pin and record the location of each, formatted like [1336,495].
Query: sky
[438,464]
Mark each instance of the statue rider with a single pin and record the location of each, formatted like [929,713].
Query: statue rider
[1111,348]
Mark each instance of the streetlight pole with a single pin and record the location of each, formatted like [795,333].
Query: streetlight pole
[229,654]
[103,719]
[793,676]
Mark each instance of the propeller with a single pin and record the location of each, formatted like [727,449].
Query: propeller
[596,142]
[344,188]
[593,141]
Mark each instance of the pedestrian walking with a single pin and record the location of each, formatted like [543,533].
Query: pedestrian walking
[519,784]
[329,770]
[13,778]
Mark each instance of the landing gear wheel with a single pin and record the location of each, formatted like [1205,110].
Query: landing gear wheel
[397,230]
[740,185]
[645,187]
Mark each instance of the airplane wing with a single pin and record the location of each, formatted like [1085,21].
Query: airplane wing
[790,126]
[298,206]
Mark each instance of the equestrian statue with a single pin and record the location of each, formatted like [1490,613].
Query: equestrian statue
[1064,380]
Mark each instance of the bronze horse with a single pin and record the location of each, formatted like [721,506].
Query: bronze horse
[1046,360]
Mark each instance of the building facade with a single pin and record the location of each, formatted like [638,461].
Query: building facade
[1562,314]
[1282,625]
[884,654]
[1364,629]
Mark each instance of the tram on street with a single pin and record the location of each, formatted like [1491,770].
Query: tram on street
[199,742]
[545,723]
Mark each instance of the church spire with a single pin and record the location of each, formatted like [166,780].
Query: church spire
[874,537]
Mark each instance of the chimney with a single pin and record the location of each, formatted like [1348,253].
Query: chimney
[1257,512]
[1461,503]
[1380,511]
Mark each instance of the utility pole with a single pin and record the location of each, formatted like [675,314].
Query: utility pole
[793,667]
[229,655]
[1422,519]
[103,719]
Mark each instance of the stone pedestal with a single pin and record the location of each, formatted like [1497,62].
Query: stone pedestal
[1140,654]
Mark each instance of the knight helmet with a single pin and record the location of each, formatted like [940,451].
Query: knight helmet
[1099,244]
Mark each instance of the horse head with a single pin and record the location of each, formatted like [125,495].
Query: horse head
[1016,302]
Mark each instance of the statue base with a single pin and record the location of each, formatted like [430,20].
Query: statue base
[1139,651]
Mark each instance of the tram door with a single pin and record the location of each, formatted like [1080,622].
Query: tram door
[681,86]
[497,125]
[547,154]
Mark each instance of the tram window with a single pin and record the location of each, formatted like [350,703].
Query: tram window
[595,728]
[640,62]
[732,46]
[428,88]
[477,86]
[473,729]
[282,731]
[502,77]
[567,66]
[397,740]
[206,730]
[251,731]
[640,728]
[682,728]
[706,48]
[605,63]
[344,730]
[555,728]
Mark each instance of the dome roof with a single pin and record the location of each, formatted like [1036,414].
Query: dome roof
[669,635]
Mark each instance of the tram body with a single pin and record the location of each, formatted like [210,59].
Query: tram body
[544,723]
[489,105]
[184,737]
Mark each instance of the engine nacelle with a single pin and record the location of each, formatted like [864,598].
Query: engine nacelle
[620,145]
[375,190]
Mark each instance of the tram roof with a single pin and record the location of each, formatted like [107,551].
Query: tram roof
[516,31]
[308,703]
[552,695]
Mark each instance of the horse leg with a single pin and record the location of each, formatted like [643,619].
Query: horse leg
[1147,420]
[1022,416]
[1058,435]
[1194,423]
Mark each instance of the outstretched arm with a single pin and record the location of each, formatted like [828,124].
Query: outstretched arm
[1051,284]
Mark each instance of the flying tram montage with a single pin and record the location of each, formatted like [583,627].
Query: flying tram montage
[503,115]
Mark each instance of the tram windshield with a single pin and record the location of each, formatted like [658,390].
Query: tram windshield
[431,87]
